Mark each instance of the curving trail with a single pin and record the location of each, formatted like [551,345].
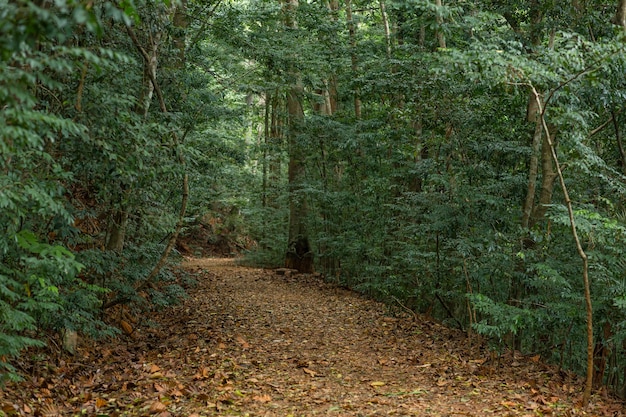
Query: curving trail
[272,345]
[249,342]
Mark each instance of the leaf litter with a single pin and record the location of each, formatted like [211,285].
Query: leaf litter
[251,342]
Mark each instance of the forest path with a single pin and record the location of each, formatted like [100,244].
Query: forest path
[250,342]
[262,344]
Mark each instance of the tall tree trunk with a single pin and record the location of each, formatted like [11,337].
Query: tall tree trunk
[118,220]
[385,19]
[533,172]
[441,39]
[620,14]
[299,255]
[353,58]
[620,144]
[548,176]
[579,249]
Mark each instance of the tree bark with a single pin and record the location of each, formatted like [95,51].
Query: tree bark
[441,39]
[353,58]
[548,176]
[117,230]
[533,173]
[620,14]
[581,254]
[385,19]
[299,255]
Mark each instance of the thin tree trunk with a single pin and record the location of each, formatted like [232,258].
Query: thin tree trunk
[581,253]
[179,155]
[533,172]
[548,176]
[441,39]
[266,140]
[383,14]
[353,58]
[620,144]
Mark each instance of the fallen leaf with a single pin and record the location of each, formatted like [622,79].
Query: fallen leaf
[377,383]
[157,407]
[309,372]
[265,398]
[242,342]
[154,368]
[100,402]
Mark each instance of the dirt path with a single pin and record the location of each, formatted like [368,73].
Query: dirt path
[249,342]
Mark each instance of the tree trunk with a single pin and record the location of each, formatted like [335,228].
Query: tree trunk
[117,230]
[441,39]
[385,19]
[548,176]
[620,14]
[353,58]
[579,249]
[299,255]
[533,172]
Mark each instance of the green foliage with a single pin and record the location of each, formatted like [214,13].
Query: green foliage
[419,200]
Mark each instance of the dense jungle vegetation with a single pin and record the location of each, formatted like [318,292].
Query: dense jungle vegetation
[462,159]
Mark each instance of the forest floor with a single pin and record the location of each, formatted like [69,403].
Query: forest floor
[250,342]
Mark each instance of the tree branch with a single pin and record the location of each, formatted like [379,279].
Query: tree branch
[144,54]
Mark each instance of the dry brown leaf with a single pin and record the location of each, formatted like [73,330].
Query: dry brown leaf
[100,402]
[265,398]
[309,372]
[242,342]
[126,327]
[154,368]
[377,384]
[157,407]
[442,382]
